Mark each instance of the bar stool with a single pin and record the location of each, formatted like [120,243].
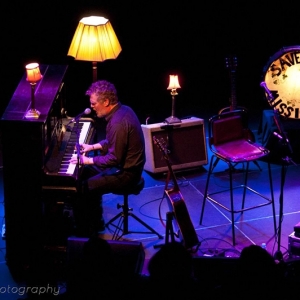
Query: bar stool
[231,141]
[121,228]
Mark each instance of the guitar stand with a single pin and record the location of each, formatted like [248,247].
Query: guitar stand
[169,230]
[122,226]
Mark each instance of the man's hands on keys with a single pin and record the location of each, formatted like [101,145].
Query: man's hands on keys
[86,148]
[83,160]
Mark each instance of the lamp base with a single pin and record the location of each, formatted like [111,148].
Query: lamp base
[32,114]
[172,120]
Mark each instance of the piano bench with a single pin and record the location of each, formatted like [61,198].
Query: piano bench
[121,228]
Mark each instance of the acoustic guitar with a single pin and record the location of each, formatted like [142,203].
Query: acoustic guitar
[183,221]
[231,65]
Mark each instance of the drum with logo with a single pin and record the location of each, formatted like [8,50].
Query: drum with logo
[282,78]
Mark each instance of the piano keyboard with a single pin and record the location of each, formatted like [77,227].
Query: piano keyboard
[59,173]
[71,152]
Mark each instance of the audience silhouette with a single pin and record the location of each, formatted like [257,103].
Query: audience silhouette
[91,275]
[171,271]
[94,273]
[257,275]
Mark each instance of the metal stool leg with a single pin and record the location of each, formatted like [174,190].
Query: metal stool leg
[231,204]
[244,186]
[211,168]
[123,221]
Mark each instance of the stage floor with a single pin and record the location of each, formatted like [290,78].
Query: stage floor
[215,234]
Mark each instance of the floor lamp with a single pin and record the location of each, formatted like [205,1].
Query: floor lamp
[94,40]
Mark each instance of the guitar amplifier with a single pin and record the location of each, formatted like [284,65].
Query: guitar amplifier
[185,141]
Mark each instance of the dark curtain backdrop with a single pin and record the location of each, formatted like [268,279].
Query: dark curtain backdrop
[158,38]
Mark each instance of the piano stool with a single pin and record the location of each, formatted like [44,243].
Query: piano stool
[121,228]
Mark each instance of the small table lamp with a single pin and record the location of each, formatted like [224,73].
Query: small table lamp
[33,76]
[173,85]
[94,40]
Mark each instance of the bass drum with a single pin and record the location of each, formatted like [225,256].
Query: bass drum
[282,78]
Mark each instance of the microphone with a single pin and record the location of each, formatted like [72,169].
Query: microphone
[87,111]
[264,86]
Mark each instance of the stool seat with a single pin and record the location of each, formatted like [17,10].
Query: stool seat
[122,227]
[132,189]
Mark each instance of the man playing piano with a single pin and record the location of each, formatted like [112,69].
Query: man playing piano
[110,164]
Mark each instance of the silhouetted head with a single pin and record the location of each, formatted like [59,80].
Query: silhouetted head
[171,262]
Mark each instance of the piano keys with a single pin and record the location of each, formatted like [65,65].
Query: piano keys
[66,167]
[59,173]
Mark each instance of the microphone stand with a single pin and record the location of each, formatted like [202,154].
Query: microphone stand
[77,147]
[286,160]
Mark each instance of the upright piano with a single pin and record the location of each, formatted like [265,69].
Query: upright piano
[35,159]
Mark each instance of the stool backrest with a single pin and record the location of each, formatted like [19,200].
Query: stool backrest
[229,126]
[227,129]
